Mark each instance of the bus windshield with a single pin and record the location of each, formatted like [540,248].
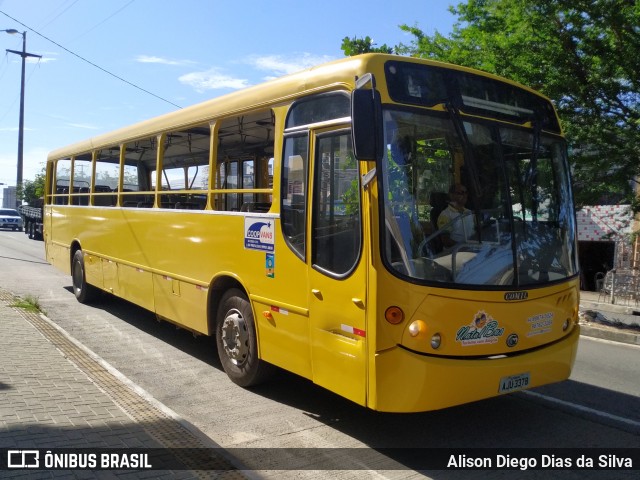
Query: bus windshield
[475,203]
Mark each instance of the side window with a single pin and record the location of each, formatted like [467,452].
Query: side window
[319,108]
[293,210]
[228,174]
[185,168]
[336,225]
[81,184]
[138,174]
[62,181]
[107,177]
[244,179]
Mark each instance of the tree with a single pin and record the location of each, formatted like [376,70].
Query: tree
[356,46]
[31,190]
[583,54]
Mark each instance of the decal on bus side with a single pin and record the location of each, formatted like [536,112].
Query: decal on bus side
[259,234]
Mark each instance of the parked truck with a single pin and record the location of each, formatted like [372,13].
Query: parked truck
[32,219]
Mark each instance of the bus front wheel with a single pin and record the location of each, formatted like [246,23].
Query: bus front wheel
[84,292]
[237,342]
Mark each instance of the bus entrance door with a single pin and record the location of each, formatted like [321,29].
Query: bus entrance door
[338,276]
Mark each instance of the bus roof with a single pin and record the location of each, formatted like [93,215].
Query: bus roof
[328,76]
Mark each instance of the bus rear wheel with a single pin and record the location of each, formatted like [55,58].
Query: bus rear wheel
[237,342]
[84,292]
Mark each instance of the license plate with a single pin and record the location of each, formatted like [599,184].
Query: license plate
[514,383]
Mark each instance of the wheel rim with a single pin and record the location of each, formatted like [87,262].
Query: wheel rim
[235,338]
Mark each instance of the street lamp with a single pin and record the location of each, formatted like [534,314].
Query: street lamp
[24,55]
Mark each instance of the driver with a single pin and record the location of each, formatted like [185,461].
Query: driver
[456,220]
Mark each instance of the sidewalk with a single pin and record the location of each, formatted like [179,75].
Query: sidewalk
[54,394]
[599,318]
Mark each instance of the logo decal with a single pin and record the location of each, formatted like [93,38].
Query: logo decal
[510,296]
[483,330]
[259,234]
[512,340]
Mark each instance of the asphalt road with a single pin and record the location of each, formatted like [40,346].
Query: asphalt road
[599,407]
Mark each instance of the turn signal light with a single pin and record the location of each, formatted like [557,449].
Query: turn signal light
[394,315]
[417,327]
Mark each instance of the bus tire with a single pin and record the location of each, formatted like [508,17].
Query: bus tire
[237,342]
[84,292]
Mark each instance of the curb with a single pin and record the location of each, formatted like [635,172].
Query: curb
[610,334]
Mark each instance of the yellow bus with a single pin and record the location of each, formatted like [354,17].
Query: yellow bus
[299,221]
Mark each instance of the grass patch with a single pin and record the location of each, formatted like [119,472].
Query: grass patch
[28,303]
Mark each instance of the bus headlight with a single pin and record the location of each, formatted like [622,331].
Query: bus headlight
[565,325]
[436,339]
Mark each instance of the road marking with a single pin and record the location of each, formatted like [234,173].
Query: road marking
[591,411]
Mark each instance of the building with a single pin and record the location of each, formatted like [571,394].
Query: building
[9,197]
[606,240]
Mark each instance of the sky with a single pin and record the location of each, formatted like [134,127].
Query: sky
[109,64]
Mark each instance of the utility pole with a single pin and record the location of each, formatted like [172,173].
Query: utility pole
[24,56]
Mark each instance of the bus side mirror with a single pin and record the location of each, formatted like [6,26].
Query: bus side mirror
[366,124]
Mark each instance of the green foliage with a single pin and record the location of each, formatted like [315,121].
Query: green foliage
[356,46]
[28,303]
[582,54]
[31,190]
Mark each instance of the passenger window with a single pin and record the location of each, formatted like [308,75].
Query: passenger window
[293,210]
[62,182]
[185,168]
[245,162]
[81,184]
[336,206]
[248,181]
[107,177]
[139,168]
[229,176]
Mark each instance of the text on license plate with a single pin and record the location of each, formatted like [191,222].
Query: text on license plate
[514,382]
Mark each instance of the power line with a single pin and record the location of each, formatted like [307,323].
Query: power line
[91,63]
[58,15]
[103,21]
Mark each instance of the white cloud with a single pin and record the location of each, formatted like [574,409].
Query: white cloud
[275,66]
[15,129]
[161,60]
[212,79]
[280,65]
[84,126]
[40,60]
